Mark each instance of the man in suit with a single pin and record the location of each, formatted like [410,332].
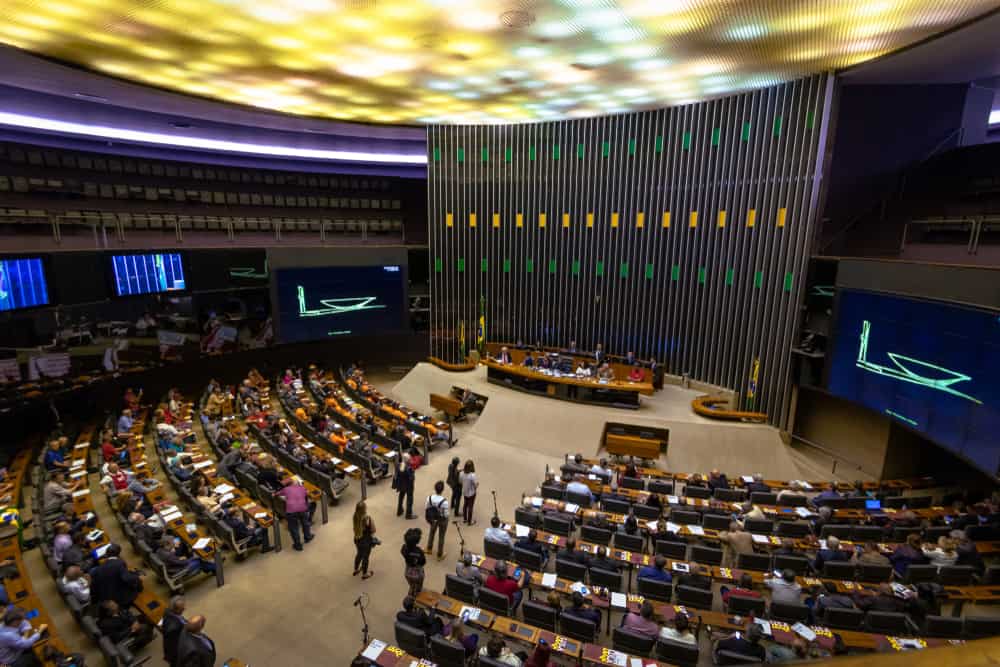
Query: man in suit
[657,371]
[172,624]
[504,357]
[602,562]
[416,617]
[572,347]
[833,552]
[758,485]
[571,553]
[530,543]
[194,648]
[405,478]
[112,580]
[529,361]
[599,354]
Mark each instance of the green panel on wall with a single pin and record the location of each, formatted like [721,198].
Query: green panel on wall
[438,265]
[729,276]
[788,281]
[675,272]
[658,144]
[716,136]
[552,266]
[777,126]
[810,120]
[623,270]
[485,153]
[576,267]
[600,268]
[529,265]
[649,272]
[507,154]
[461,264]
[745,134]
[701,275]
[555,152]
[484,264]
[437,154]
[460,154]
[758,279]
[531,152]
[506,265]
[686,141]
[606,148]
[631,146]
[579,151]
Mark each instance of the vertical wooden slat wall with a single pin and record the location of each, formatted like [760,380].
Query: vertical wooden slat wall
[680,234]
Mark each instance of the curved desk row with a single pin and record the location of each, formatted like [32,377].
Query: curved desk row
[706,406]
[617,394]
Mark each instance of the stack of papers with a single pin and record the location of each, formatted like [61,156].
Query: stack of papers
[803,512]
[201,543]
[351,468]
[765,626]
[695,529]
[223,488]
[374,650]
[201,464]
[760,539]
[572,508]
[804,631]
[673,500]
[747,479]
[226,497]
[81,493]
[618,600]
[521,531]
[549,580]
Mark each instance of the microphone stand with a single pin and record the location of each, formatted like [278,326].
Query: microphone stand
[461,539]
[360,604]
[496,512]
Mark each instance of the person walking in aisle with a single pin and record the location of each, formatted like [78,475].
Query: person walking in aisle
[403,483]
[454,482]
[413,560]
[364,539]
[470,485]
[296,511]
[436,514]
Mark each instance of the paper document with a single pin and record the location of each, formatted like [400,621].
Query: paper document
[635,662]
[223,488]
[94,534]
[389,455]
[336,461]
[572,508]
[651,525]
[307,445]
[82,445]
[616,658]
[81,493]
[201,464]
[579,587]
[521,531]
[747,479]
[680,567]
[673,500]
[695,530]
[260,515]
[549,580]
[619,600]
[673,527]
[804,631]
[78,475]
[226,497]
[802,512]
[374,650]
[201,543]
[759,539]
[469,613]
[351,468]
[765,626]
[536,502]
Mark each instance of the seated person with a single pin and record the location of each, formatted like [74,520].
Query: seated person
[583,370]
[147,531]
[829,493]
[630,526]
[78,553]
[178,560]
[243,530]
[830,598]
[495,533]
[636,374]
[883,600]
[528,361]
[606,373]
[680,632]
[784,588]
[110,453]
[578,609]
[75,583]
[663,532]
[657,571]
[747,644]
[418,618]
[571,553]
[57,492]
[578,486]
[122,625]
[717,480]
[758,485]
[832,553]
[869,555]
[466,570]
[181,466]
[743,590]
[530,543]
[602,562]
[61,542]
[55,456]
[497,649]
[642,623]
[694,580]
[499,582]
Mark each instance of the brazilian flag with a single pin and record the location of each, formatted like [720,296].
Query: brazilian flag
[481,329]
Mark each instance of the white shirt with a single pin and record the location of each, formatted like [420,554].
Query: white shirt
[440,502]
[497,535]
[579,487]
[163,428]
[79,589]
[469,484]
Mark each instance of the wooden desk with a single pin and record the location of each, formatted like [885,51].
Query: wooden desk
[631,445]
[602,655]
[619,394]
[388,656]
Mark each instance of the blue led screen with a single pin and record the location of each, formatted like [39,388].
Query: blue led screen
[22,283]
[148,273]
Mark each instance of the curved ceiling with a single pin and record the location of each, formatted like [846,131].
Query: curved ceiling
[470,61]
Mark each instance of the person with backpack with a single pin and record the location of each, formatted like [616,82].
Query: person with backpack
[455,484]
[436,514]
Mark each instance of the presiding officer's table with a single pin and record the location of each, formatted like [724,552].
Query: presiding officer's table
[614,393]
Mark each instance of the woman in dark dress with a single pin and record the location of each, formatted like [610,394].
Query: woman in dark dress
[413,560]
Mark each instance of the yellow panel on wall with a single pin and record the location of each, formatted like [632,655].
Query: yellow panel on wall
[496,219]
[566,220]
[472,220]
[751,217]
[541,220]
[520,220]
[666,219]
[693,219]
[449,219]
[722,219]
[614,219]
[782,213]
[590,219]
[640,219]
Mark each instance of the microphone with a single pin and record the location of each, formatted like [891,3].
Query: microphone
[358,601]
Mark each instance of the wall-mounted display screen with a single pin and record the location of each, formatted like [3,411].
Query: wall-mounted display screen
[148,273]
[324,302]
[228,269]
[928,365]
[22,283]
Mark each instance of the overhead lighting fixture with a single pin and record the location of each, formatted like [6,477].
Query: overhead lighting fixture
[199,143]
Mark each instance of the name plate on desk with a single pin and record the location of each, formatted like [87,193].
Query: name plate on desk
[81,493]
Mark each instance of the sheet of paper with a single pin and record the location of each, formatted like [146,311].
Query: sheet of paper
[307,445]
[804,631]
[765,626]
[747,479]
[673,500]
[82,445]
[695,530]
[680,567]
[94,534]
[572,508]
[374,650]
[579,587]
[389,455]
[549,580]
[201,464]
[81,493]
[536,502]
[635,662]
[260,515]
[618,659]
[226,497]
[201,543]
[593,477]
[802,512]
[223,488]
[673,527]
[760,539]
[78,475]
[336,461]
[619,600]
[521,531]
[651,525]
[351,468]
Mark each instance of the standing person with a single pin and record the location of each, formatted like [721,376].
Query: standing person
[436,514]
[413,560]
[172,624]
[194,648]
[470,485]
[296,511]
[454,482]
[404,480]
[364,539]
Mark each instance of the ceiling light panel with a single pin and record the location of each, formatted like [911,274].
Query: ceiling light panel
[481,60]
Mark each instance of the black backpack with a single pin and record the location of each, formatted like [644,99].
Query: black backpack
[433,512]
